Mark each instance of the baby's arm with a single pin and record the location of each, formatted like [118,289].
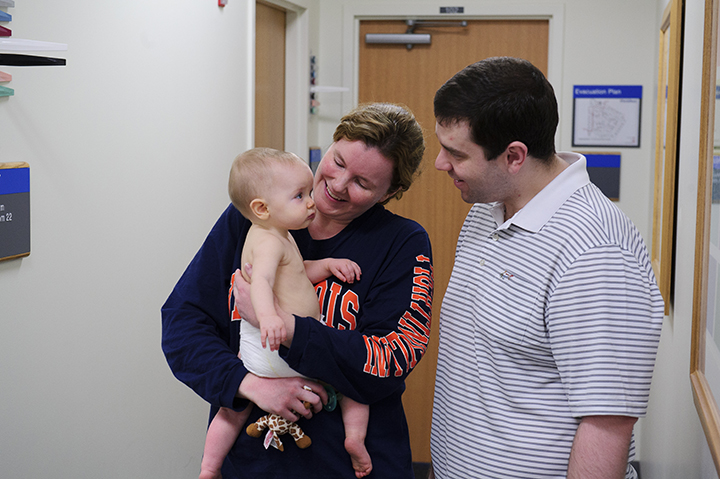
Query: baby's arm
[266,258]
[344,269]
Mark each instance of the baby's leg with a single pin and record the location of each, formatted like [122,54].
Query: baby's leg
[222,433]
[355,419]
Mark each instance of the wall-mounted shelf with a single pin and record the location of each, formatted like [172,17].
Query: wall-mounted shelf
[324,89]
[12,44]
[16,60]
[23,45]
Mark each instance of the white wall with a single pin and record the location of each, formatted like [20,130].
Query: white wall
[129,147]
[615,43]
[673,442]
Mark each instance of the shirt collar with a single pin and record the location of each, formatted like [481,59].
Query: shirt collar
[544,205]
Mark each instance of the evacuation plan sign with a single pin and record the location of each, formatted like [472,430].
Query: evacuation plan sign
[606,115]
[14,210]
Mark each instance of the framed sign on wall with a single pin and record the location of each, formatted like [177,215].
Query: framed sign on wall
[14,210]
[606,115]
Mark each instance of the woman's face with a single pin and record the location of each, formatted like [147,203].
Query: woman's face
[350,179]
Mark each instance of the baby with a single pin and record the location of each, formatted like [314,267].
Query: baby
[272,189]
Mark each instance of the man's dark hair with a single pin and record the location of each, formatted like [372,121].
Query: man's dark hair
[503,100]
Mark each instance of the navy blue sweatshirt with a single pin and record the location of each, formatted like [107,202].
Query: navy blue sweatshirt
[378,330]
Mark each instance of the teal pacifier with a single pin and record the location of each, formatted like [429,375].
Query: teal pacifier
[332,398]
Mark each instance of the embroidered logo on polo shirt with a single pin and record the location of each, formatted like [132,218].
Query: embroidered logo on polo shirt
[506,275]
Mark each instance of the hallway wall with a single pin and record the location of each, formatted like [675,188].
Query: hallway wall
[673,443]
[129,148]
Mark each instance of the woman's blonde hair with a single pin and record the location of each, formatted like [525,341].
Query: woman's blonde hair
[395,132]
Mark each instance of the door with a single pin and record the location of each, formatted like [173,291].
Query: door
[395,74]
[269,76]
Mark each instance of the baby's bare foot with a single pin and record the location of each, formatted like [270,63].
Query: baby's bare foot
[361,462]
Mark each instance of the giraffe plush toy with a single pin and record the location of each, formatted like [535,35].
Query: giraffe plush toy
[277,426]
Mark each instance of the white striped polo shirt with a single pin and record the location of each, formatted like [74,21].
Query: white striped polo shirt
[548,317]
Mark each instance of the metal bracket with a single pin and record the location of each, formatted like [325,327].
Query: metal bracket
[413,24]
[410,38]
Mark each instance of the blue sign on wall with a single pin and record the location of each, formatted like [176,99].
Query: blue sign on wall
[606,115]
[604,172]
[14,210]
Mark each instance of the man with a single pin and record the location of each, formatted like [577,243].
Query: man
[551,320]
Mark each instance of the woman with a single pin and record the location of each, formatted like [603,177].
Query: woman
[379,326]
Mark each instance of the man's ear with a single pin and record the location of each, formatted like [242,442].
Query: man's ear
[259,208]
[516,154]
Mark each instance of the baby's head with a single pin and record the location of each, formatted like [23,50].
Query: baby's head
[262,173]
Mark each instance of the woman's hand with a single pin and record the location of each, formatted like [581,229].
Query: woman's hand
[284,396]
[241,293]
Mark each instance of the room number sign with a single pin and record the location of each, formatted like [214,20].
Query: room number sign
[14,210]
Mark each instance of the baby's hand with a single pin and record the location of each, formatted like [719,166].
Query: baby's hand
[272,329]
[344,269]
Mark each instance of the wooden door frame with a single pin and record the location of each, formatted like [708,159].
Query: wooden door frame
[354,12]
[297,74]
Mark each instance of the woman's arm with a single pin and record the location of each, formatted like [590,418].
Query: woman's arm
[374,342]
[198,340]
[284,396]
[200,343]
[370,348]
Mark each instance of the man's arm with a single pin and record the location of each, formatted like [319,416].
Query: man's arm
[601,446]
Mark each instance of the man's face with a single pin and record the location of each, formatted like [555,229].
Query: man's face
[479,180]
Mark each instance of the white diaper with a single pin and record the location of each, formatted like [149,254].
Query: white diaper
[258,360]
